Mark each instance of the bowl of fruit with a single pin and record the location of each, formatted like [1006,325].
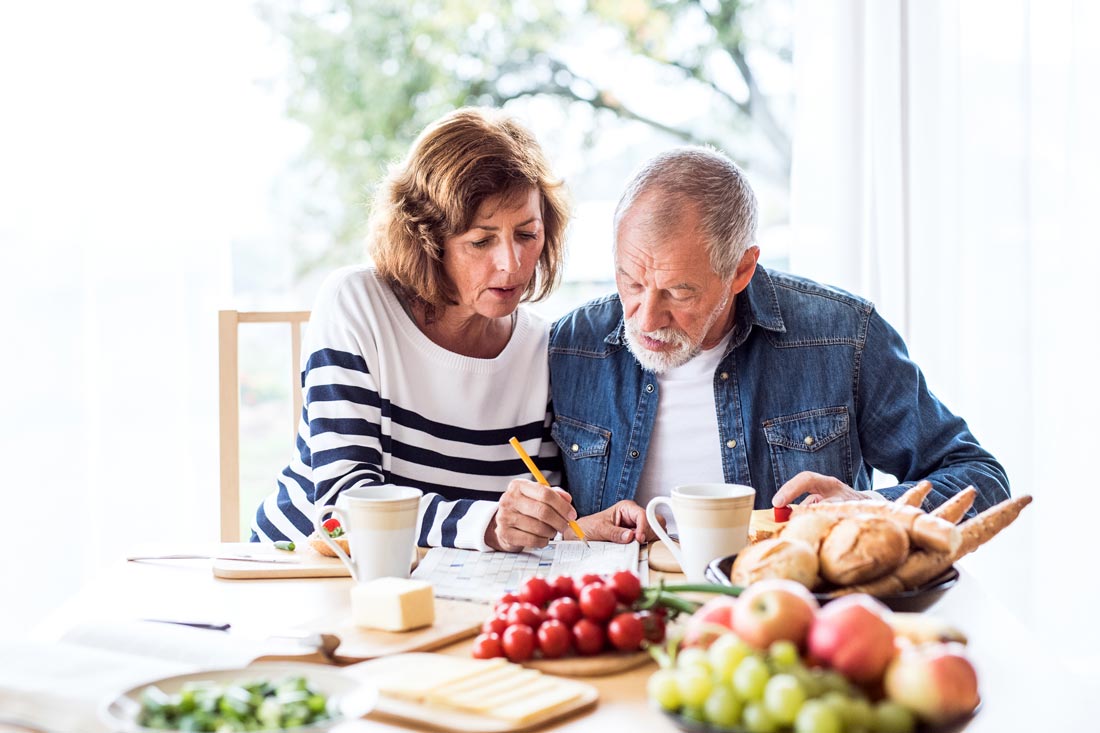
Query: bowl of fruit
[774,660]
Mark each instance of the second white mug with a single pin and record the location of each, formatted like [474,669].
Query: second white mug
[711,519]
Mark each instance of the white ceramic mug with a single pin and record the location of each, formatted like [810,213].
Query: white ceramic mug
[711,519]
[380,524]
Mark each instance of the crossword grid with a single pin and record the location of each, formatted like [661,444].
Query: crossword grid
[484,576]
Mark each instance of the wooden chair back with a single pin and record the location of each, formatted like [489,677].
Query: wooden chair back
[229,403]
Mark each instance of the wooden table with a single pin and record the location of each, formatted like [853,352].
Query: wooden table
[1023,688]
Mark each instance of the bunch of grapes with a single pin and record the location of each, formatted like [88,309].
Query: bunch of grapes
[733,685]
[554,617]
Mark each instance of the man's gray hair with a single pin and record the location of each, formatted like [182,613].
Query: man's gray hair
[714,185]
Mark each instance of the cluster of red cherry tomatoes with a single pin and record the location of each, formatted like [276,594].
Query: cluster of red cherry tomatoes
[556,616]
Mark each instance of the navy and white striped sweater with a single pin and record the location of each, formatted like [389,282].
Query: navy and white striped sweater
[384,404]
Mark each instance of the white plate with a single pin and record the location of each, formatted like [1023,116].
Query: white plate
[349,698]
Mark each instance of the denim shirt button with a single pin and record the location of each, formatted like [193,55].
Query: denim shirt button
[724,375]
[649,388]
[809,440]
[634,454]
[574,447]
[731,443]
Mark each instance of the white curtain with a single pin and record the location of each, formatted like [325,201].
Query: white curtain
[946,165]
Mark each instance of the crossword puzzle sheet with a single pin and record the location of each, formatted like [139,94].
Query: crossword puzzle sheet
[469,575]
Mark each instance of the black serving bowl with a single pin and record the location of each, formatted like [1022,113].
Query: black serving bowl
[694,726]
[918,599]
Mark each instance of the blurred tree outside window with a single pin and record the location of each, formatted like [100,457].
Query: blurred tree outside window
[603,84]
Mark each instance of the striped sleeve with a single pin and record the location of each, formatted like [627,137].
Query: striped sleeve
[346,443]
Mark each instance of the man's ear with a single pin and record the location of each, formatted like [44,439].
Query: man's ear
[745,269]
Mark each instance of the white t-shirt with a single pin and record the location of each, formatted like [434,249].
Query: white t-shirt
[685,447]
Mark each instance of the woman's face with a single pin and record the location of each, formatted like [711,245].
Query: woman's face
[492,263]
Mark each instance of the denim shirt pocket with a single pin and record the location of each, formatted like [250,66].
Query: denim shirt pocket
[584,450]
[814,440]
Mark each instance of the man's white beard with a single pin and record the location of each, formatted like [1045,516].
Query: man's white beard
[683,351]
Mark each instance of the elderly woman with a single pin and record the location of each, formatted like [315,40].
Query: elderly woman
[419,369]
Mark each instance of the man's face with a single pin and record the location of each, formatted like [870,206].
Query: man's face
[675,305]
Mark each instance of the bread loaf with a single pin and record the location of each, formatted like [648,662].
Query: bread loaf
[321,547]
[777,557]
[861,548]
[810,527]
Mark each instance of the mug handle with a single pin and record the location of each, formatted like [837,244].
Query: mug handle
[651,515]
[319,520]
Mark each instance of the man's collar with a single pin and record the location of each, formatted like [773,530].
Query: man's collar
[763,302]
[757,305]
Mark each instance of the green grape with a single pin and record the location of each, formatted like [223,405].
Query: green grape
[693,657]
[757,720]
[750,677]
[695,685]
[696,713]
[785,654]
[723,707]
[893,718]
[817,717]
[783,698]
[725,654]
[664,689]
[810,679]
[836,682]
[861,716]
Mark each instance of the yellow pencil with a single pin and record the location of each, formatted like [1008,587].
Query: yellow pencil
[542,480]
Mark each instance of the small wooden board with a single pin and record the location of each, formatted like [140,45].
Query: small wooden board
[305,563]
[454,620]
[447,719]
[594,666]
[661,558]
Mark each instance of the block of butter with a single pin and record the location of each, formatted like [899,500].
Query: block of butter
[392,604]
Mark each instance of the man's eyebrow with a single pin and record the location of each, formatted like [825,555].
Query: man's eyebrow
[683,286]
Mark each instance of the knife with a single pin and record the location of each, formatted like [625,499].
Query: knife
[241,558]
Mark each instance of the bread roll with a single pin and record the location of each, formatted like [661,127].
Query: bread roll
[777,557]
[862,548]
[322,548]
[810,527]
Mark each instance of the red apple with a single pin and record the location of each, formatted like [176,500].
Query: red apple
[851,635]
[774,609]
[714,618]
[935,681]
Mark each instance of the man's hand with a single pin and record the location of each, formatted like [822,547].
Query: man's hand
[621,522]
[528,515]
[820,488]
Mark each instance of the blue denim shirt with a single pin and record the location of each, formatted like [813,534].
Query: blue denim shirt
[813,380]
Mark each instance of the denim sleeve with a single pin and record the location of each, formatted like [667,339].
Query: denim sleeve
[908,433]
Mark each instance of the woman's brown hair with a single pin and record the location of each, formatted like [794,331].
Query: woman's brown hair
[457,163]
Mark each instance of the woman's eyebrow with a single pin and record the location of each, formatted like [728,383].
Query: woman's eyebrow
[490,228]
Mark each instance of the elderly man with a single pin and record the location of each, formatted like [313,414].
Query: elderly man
[706,367]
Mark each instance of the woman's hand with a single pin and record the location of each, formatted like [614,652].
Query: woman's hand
[621,522]
[820,488]
[529,515]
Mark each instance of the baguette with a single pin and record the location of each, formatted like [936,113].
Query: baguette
[919,568]
[956,507]
[928,532]
[916,494]
[980,529]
